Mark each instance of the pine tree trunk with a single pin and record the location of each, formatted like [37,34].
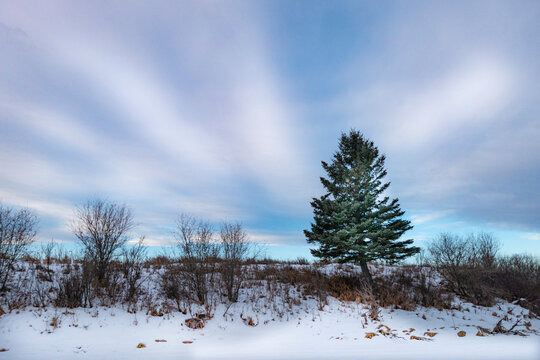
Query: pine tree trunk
[366,274]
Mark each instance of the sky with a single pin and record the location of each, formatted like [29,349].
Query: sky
[225,109]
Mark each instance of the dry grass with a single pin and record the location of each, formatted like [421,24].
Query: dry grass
[403,287]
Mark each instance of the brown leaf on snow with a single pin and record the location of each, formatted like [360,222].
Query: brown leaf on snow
[194,323]
[187,342]
[160,340]
[461,333]
[155,312]
[413,337]
[3,349]
[249,321]
[430,334]
[369,335]
[140,346]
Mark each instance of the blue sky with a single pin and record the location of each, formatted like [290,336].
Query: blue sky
[224,109]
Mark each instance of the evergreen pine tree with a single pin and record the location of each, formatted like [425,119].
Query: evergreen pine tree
[354,221]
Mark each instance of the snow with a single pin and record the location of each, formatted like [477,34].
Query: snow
[336,332]
[284,329]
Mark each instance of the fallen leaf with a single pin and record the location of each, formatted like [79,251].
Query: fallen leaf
[413,337]
[3,349]
[369,335]
[194,323]
[461,333]
[187,342]
[141,345]
[155,312]
[430,334]
[158,340]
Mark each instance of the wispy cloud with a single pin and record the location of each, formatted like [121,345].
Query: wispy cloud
[451,108]
[135,131]
[465,97]
[225,110]
[276,238]
[532,236]
[419,219]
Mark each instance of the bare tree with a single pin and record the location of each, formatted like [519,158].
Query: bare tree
[47,253]
[466,263]
[18,229]
[199,253]
[132,267]
[235,248]
[102,227]
[484,250]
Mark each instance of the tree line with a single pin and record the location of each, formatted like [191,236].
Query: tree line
[103,228]
[354,221]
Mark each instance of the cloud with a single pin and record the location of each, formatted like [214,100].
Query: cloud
[225,110]
[276,238]
[448,99]
[53,209]
[184,128]
[532,236]
[419,219]
[465,97]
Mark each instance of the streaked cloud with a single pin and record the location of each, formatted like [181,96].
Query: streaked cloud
[532,236]
[419,219]
[225,110]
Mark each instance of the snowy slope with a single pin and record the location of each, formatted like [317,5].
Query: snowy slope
[286,325]
[336,332]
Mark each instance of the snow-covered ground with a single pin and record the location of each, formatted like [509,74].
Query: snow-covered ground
[265,324]
[339,331]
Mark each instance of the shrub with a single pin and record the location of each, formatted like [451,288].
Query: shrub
[466,264]
[17,231]
[235,249]
[349,287]
[409,287]
[171,285]
[74,288]
[198,255]
[517,278]
[131,265]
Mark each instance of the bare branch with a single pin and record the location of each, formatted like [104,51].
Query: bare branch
[102,227]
